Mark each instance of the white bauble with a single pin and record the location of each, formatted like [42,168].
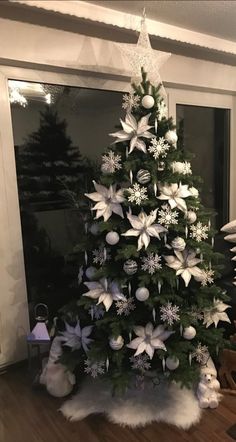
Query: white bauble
[142,294]
[172,363]
[148,101]
[189,333]
[178,244]
[191,216]
[116,343]
[178,167]
[130,267]
[94,229]
[171,137]
[112,238]
[90,272]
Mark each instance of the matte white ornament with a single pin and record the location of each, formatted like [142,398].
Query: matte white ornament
[90,272]
[116,343]
[189,333]
[112,238]
[171,137]
[94,229]
[191,216]
[148,101]
[172,363]
[142,294]
[130,267]
[178,243]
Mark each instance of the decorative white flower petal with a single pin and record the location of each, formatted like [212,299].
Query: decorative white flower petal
[185,265]
[149,339]
[216,313]
[108,201]
[75,337]
[105,291]
[174,194]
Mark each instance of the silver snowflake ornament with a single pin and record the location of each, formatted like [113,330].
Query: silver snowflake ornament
[169,313]
[151,263]
[199,232]
[167,216]
[94,368]
[130,101]
[201,354]
[140,362]
[159,147]
[161,110]
[111,162]
[125,307]
[208,277]
[137,194]
[101,255]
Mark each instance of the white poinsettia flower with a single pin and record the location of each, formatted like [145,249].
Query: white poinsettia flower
[216,313]
[105,291]
[75,337]
[149,339]
[108,201]
[175,193]
[144,227]
[185,264]
[134,130]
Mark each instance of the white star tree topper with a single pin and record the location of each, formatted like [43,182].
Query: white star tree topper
[144,227]
[105,291]
[149,339]
[216,313]
[108,201]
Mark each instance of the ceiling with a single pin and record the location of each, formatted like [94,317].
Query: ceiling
[217,18]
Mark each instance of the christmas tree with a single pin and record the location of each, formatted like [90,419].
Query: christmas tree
[149,305]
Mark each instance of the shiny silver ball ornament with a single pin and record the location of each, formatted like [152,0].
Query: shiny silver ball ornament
[94,229]
[148,101]
[90,272]
[116,343]
[112,238]
[143,176]
[130,267]
[191,216]
[142,294]
[178,244]
[189,333]
[172,363]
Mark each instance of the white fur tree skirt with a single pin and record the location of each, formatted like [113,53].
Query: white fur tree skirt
[137,408]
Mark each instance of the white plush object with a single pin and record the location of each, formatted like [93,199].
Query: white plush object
[230,238]
[137,408]
[58,380]
[230,227]
[208,387]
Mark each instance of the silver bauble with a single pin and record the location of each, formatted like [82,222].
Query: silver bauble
[191,216]
[172,363]
[130,267]
[94,229]
[90,272]
[116,343]
[148,101]
[189,333]
[178,244]
[143,176]
[142,294]
[112,238]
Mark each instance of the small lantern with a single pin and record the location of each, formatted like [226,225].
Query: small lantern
[39,336]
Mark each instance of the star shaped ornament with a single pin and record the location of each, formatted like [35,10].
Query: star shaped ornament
[143,56]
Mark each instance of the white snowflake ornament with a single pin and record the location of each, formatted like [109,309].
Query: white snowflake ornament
[185,264]
[167,216]
[175,194]
[105,291]
[125,307]
[94,368]
[77,337]
[133,131]
[216,313]
[111,162]
[169,313]
[149,339]
[199,232]
[159,147]
[140,362]
[144,227]
[108,201]
[130,101]
[151,263]
[101,255]
[208,277]
[161,110]
[201,354]
[137,193]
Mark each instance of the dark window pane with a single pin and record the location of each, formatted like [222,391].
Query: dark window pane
[205,132]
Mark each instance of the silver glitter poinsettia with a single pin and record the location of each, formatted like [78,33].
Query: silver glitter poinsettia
[144,227]
[175,193]
[132,131]
[149,339]
[105,291]
[216,313]
[77,337]
[151,263]
[108,201]
[185,264]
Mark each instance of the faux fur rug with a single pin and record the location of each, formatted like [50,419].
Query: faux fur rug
[137,408]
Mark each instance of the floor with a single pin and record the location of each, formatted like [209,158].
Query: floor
[28,415]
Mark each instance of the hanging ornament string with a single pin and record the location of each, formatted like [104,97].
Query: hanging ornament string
[143,56]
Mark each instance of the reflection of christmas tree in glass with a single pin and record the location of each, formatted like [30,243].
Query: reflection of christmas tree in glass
[148,284]
[51,172]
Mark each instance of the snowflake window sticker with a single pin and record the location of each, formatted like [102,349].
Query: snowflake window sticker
[151,263]
[199,232]
[125,307]
[130,101]
[159,147]
[137,194]
[101,255]
[140,362]
[167,216]
[111,162]
[169,313]
[94,368]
